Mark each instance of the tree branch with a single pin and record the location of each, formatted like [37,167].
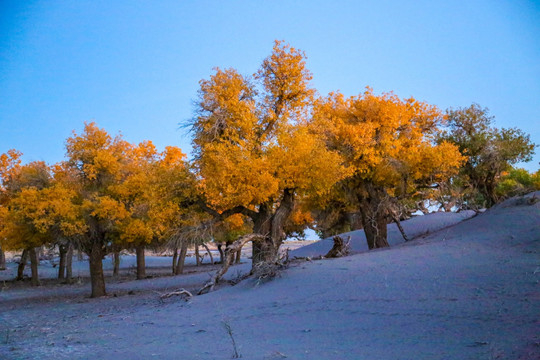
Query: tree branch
[230,251]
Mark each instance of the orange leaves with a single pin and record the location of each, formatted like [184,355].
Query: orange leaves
[251,146]
[235,221]
[145,151]
[36,216]
[95,154]
[173,156]
[438,162]
[301,217]
[136,230]
[285,79]
[302,162]
[9,163]
[234,177]
[385,139]
[227,108]
[105,208]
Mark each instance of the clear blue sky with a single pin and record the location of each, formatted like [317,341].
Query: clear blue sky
[134,66]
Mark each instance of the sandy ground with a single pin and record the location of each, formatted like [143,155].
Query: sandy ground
[466,291]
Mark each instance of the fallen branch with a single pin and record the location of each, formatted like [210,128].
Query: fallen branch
[395,218]
[178,292]
[308,258]
[228,260]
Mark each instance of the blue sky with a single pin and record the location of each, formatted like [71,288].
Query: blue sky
[134,66]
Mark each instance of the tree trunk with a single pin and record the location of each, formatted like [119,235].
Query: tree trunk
[141,266]
[34,262]
[209,254]
[374,214]
[62,249]
[263,251]
[197,259]
[266,248]
[22,264]
[116,263]
[2,259]
[96,270]
[221,254]
[490,192]
[375,228]
[174,259]
[69,262]
[238,256]
[181,259]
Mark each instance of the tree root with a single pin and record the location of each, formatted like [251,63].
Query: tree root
[340,248]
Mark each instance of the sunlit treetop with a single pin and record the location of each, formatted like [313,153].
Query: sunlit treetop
[384,138]
[95,154]
[9,163]
[251,137]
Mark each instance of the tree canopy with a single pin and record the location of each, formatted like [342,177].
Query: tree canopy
[388,146]
[489,151]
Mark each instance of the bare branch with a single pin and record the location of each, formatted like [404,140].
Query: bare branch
[178,292]
[228,260]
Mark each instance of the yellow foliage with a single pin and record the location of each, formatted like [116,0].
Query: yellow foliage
[384,139]
[234,177]
[251,145]
[302,162]
[235,222]
[285,79]
[35,216]
[106,208]
[95,154]
[136,230]
[9,165]
[172,157]
[301,217]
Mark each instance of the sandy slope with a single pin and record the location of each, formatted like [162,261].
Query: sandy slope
[467,292]
[415,227]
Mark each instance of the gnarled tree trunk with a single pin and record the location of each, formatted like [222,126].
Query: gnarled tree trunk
[340,248]
[230,252]
[374,212]
[270,227]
